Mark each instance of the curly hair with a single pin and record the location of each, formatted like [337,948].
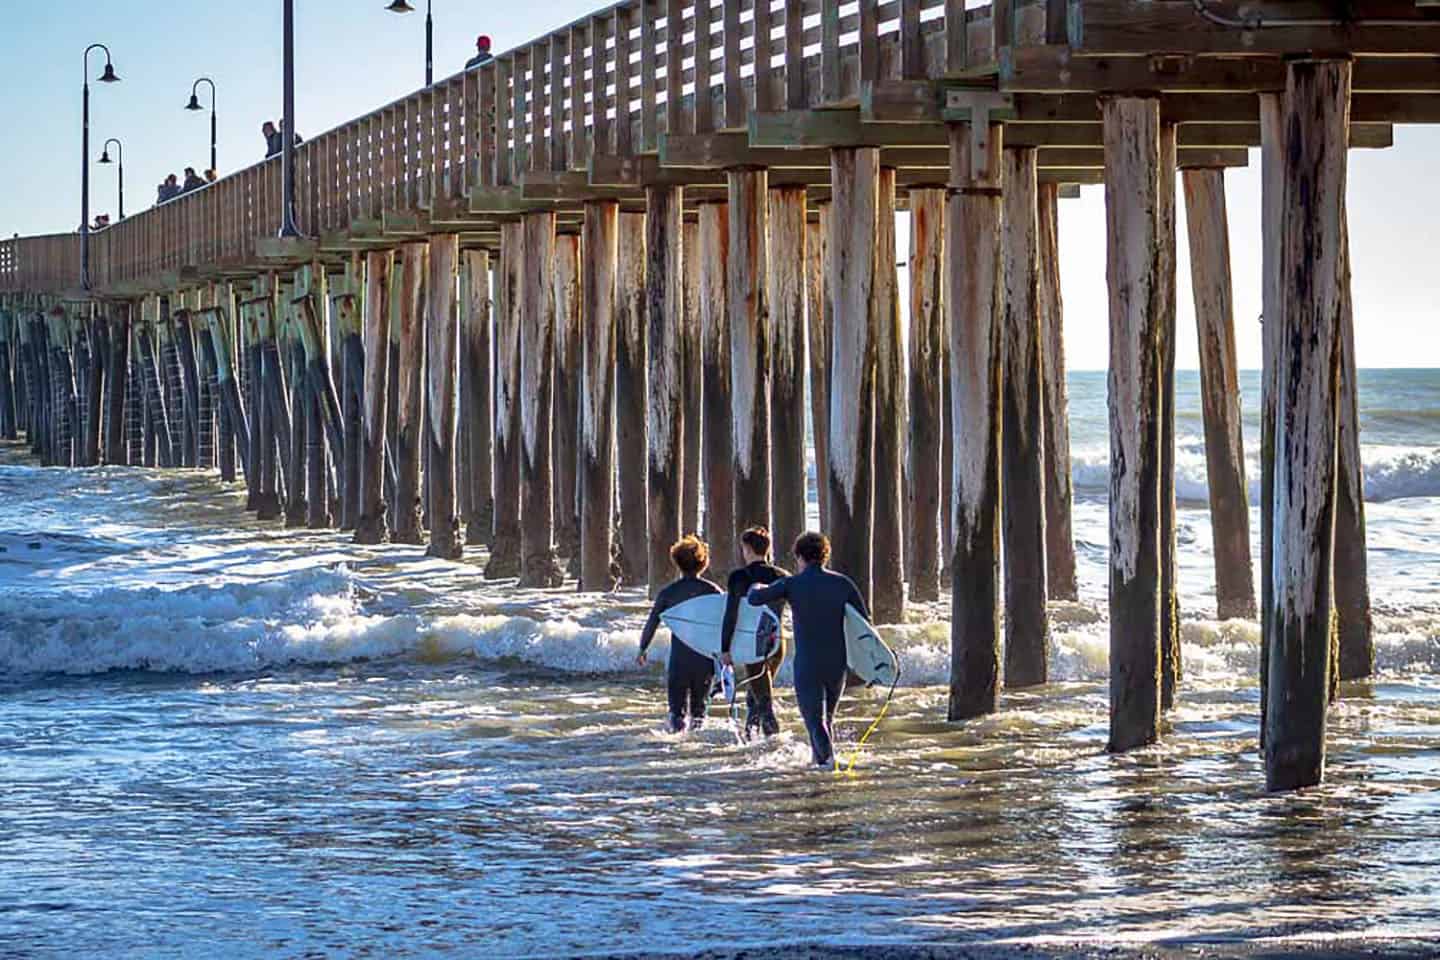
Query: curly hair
[813,548]
[690,555]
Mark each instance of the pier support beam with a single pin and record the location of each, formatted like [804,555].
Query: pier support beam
[1060,583]
[370,522]
[1022,463]
[1352,574]
[93,336]
[1170,663]
[854,230]
[476,393]
[717,440]
[631,376]
[750,344]
[817,334]
[596,477]
[567,395]
[505,551]
[927,376]
[539,565]
[691,379]
[1272,207]
[976,315]
[274,413]
[1315,125]
[664,310]
[887,578]
[352,392]
[117,370]
[410,372]
[442,344]
[1132,185]
[292,355]
[1208,229]
[786,295]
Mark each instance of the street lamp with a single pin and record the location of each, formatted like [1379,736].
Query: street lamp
[288,227]
[194,104]
[400,6]
[108,76]
[120,157]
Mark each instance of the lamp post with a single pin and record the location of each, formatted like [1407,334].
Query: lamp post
[194,104]
[108,76]
[288,227]
[400,6]
[120,163]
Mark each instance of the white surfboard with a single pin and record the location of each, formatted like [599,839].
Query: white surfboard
[867,655]
[696,623]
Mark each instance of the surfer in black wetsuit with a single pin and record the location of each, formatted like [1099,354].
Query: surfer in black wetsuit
[817,599]
[688,674]
[758,678]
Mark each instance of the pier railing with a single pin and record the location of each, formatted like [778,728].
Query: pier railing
[609,85]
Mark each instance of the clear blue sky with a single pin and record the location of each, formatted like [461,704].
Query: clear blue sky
[355,56]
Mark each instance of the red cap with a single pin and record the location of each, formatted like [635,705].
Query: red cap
[482,42]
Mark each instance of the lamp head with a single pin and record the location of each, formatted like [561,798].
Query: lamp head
[400,6]
[194,103]
[105,156]
[109,75]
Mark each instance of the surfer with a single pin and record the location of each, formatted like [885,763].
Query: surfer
[688,674]
[817,598]
[757,677]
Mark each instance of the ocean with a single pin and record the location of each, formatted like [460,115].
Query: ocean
[220,738]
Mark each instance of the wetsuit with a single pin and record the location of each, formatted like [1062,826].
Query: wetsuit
[757,677]
[687,674]
[817,600]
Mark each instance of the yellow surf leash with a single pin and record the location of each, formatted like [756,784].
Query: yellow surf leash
[855,755]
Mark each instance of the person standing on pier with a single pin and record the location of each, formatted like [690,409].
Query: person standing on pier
[817,598]
[758,678]
[688,674]
[482,53]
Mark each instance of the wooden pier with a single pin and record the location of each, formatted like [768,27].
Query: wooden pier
[573,302]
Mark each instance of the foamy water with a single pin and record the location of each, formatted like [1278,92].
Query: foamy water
[222,738]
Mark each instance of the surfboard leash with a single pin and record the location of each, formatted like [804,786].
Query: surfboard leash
[884,707]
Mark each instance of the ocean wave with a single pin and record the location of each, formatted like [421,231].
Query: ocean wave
[326,618]
[1391,472]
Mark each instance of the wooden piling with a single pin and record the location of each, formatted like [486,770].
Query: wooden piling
[349,326]
[253,360]
[976,314]
[1208,230]
[717,441]
[691,366]
[1060,583]
[410,372]
[159,428]
[477,392]
[93,336]
[596,478]
[664,306]
[442,344]
[887,585]
[9,421]
[317,479]
[854,178]
[787,296]
[927,375]
[505,549]
[539,564]
[116,380]
[184,344]
[1316,124]
[1170,661]
[747,298]
[1022,462]
[1272,207]
[222,347]
[1356,639]
[567,395]
[292,354]
[631,376]
[817,344]
[370,521]
[1132,185]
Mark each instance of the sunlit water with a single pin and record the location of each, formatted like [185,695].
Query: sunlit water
[223,739]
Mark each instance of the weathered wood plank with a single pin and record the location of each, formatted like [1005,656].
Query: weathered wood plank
[1209,237]
[1132,136]
[1027,624]
[597,395]
[1308,374]
[664,308]
[1059,536]
[717,440]
[976,314]
[750,347]
[786,296]
[855,175]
